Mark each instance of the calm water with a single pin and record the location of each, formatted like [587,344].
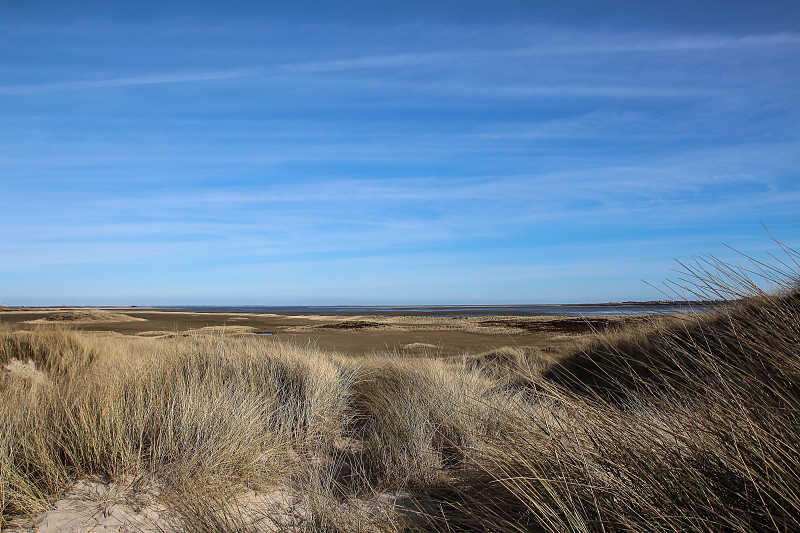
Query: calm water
[461,310]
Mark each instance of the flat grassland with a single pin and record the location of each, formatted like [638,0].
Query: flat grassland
[348,334]
[140,420]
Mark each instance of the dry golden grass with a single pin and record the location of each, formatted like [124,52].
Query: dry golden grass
[690,425]
[682,424]
[198,408]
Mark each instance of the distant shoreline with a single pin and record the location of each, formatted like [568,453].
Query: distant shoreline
[581,309]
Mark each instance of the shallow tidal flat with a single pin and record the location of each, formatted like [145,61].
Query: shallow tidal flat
[349,334]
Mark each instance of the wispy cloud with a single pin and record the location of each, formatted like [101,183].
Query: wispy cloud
[550,42]
[380,215]
[605,43]
[553,44]
[150,79]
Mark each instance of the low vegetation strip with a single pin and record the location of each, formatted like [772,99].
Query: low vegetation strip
[687,423]
[84,317]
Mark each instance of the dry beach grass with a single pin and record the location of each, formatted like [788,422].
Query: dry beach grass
[689,423]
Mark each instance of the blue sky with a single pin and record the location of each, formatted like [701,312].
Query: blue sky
[389,152]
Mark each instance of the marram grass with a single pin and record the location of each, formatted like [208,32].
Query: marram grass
[687,424]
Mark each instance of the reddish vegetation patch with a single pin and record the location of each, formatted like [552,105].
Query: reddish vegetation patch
[559,325]
[351,324]
[87,316]
[70,316]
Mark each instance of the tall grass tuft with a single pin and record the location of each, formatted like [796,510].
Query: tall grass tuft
[692,426]
[416,417]
[200,408]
